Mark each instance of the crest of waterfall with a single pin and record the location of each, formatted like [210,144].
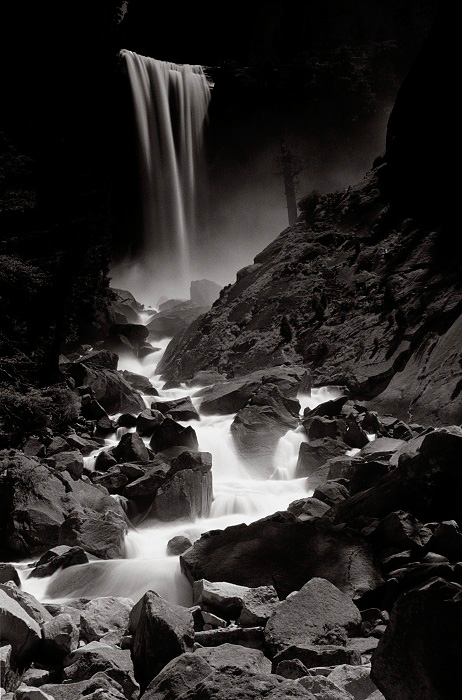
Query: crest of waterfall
[171,103]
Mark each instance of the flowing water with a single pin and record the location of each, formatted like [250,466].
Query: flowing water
[170,104]
[238,497]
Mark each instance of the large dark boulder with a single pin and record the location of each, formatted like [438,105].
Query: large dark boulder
[101,685]
[283,552]
[147,420]
[177,677]
[108,386]
[178,409]
[100,534]
[187,494]
[60,557]
[140,383]
[318,614]
[169,433]
[258,426]
[161,631]
[315,454]
[131,448]
[422,645]
[18,629]
[95,657]
[426,483]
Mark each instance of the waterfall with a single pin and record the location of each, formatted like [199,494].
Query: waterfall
[171,103]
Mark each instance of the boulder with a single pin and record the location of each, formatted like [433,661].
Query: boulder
[99,687]
[331,493]
[354,435]
[251,607]
[57,445]
[37,503]
[56,558]
[25,692]
[314,454]
[402,531]
[178,409]
[426,483]
[60,637]
[145,487]
[177,545]
[314,655]
[135,333]
[102,615]
[83,663]
[306,508]
[18,629]
[380,448]
[7,673]
[9,573]
[83,444]
[327,409]
[205,378]
[171,434]
[319,613]
[131,448]
[365,475]
[421,647]
[447,540]
[354,679]
[34,447]
[126,420]
[224,655]
[292,668]
[28,603]
[283,552]
[257,428]
[233,683]
[108,386]
[324,689]
[105,460]
[147,420]
[161,631]
[101,534]
[71,462]
[113,479]
[177,677]
[318,427]
[186,495]
[229,397]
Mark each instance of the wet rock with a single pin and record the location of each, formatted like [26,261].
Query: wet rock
[223,655]
[60,637]
[258,426]
[324,688]
[161,631]
[18,629]
[318,427]
[113,479]
[177,545]
[178,409]
[252,637]
[331,493]
[251,607]
[146,486]
[283,552]
[355,435]
[101,534]
[306,508]
[56,558]
[233,682]
[171,434]
[315,454]
[421,646]
[105,426]
[71,462]
[230,397]
[147,420]
[354,679]
[327,409]
[84,444]
[177,677]
[131,448]
[102,615]
[132,471]
[135,333]
[291,668]
[105,460]
[83,663]
[30,693]
[187,493]
[9,573]
[91,409]
[126,420]
[319,613]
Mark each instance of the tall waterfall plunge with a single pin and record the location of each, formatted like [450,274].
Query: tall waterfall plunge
[171,103]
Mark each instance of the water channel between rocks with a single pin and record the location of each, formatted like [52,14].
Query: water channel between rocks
[238,497]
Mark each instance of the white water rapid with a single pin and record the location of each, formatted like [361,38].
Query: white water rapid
[170,103]
[238,498]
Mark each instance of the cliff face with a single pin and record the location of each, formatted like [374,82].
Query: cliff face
[363,290]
